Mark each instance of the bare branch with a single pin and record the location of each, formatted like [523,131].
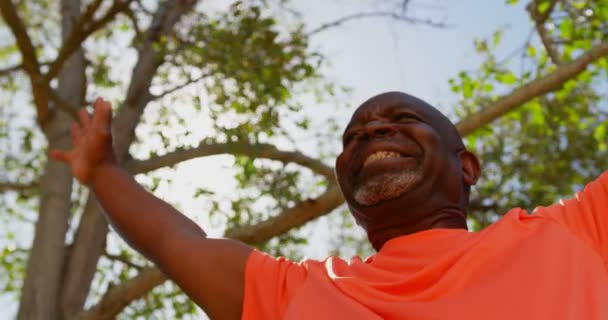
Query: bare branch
[180,86]
[549,47]
[143,8]
[62,104]
[118,297]
[25,188]
[30,61]
[294,217]
[79,269]
[375,14]
[84,27]
[539,21]
[261,150]
[24,42]
[150,58]
[404,5]
[123,259]
[9,70]
[131,15]
[533,89]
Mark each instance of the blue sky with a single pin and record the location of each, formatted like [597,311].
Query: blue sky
[376,55]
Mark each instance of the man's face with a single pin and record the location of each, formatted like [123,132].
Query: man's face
[394,151]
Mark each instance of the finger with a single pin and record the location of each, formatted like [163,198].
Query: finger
[76,133]
[61,156]
[103,114]
[85,118]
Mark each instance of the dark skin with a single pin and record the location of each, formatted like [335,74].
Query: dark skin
[211,271]
[428,145]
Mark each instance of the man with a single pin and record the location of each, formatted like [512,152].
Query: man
[406,176]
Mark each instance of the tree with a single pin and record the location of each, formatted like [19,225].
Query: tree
[244,71]
[555,141]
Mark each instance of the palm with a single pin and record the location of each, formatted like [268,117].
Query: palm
[91,142]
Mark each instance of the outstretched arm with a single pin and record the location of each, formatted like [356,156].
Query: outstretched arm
[210,271]
[585,215]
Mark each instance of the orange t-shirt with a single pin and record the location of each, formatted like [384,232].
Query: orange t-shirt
[552,264]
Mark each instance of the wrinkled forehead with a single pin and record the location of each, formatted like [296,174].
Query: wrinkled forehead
[396,101]
[389,102]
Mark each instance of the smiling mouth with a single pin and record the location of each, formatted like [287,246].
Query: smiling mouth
[386,175]
[379,155]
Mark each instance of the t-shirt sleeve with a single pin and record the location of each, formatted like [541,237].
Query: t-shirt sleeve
[270,283]
[585,215]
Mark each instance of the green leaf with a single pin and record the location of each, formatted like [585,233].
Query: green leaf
[600,133]
[507,78]
[200,191]
[565,28]
[543,6]
[531,51]
[496,37]
[536,113]
[467,90]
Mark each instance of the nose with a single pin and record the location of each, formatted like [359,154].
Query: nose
[379,128]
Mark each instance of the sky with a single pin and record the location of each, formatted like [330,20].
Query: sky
[374,55]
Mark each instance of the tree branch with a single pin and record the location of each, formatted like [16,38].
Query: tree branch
[150,58]
[122,259]
[549,47]
[293,217]
[30,61]
[535,88]
[375,14]
[118,297]
[261,150]
[62,104]
[9,70]
[180,86]
[84,27]
[25,188]
[539,21]
[131,15]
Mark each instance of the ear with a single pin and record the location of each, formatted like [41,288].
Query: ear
[470,167]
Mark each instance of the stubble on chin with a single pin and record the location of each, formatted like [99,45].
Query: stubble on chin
[385,186]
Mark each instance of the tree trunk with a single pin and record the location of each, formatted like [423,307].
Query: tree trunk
[89,242]
[39,297]
[89,245]
[43,273]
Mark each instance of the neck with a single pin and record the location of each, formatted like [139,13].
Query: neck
[442,219]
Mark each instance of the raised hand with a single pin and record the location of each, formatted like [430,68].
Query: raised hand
[91,143]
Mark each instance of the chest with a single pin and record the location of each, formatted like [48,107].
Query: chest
[542,273]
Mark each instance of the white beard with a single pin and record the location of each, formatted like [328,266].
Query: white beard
[386,186]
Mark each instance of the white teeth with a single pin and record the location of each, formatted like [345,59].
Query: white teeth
[380,155]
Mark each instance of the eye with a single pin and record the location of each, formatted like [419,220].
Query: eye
[349,137]
[406,117]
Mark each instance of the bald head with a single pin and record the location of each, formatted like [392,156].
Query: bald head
[436,119]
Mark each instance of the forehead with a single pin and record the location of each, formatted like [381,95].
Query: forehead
[393,102]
